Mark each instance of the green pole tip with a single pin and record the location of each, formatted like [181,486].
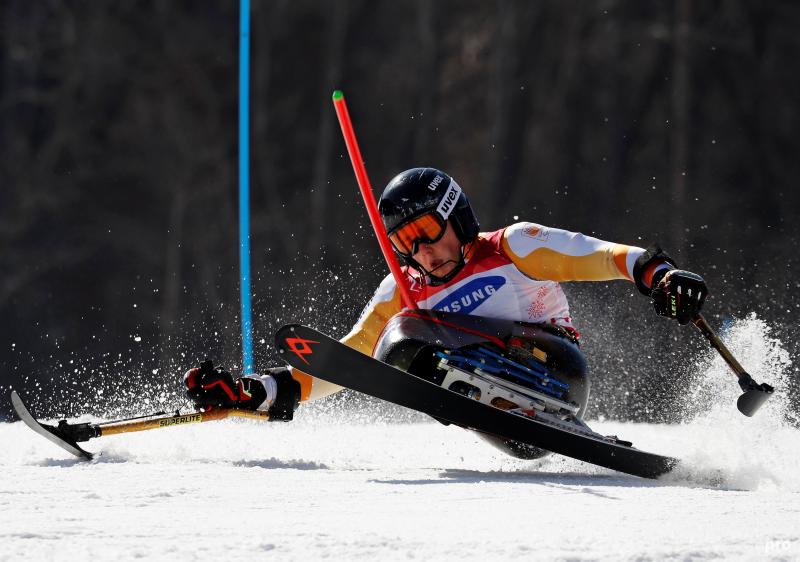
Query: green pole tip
[337,95]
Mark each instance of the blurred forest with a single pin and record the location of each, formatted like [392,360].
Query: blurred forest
[632,121]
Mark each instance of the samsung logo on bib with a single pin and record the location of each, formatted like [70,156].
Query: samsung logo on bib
[470,296]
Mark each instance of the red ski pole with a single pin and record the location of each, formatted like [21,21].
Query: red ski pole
[369,199]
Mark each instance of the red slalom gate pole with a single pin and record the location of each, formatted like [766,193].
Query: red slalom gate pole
[369,199]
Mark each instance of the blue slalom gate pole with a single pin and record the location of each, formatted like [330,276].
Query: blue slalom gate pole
[244,185]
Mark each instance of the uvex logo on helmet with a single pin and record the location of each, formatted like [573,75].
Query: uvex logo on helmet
[448,202]
[435,183]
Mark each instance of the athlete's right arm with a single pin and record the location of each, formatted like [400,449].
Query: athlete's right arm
[384,304]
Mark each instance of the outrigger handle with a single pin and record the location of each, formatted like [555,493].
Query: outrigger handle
[755,394]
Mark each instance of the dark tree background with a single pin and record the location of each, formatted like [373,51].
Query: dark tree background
[674,121]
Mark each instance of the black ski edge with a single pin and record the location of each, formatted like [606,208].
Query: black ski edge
[49,432]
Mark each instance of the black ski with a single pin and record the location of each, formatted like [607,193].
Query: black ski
[47,431]
[324,357]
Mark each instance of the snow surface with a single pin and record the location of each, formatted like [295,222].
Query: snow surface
[344,487]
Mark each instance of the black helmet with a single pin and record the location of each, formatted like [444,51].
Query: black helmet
[421,191]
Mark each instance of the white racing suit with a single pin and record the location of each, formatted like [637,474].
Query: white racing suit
[512,273]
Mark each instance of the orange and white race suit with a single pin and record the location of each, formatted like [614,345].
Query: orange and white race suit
[512,273]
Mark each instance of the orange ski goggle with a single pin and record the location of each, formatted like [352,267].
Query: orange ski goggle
[428,229]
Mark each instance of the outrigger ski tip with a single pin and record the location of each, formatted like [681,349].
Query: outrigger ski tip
[49,432]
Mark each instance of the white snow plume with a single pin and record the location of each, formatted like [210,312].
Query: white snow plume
[724,447]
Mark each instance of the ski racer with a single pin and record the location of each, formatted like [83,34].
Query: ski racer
[512,273]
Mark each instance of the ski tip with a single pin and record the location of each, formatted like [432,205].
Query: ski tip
[17,403]
[338,95]
[285,330]
[284,336]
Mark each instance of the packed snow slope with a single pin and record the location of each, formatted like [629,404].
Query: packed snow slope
[344,487]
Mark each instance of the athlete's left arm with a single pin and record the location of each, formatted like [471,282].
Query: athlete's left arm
[554,254]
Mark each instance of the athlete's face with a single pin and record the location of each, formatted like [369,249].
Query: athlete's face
[440,258]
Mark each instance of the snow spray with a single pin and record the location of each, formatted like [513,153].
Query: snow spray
[720,443]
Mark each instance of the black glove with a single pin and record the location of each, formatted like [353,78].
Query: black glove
[678,294]
[210,387]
